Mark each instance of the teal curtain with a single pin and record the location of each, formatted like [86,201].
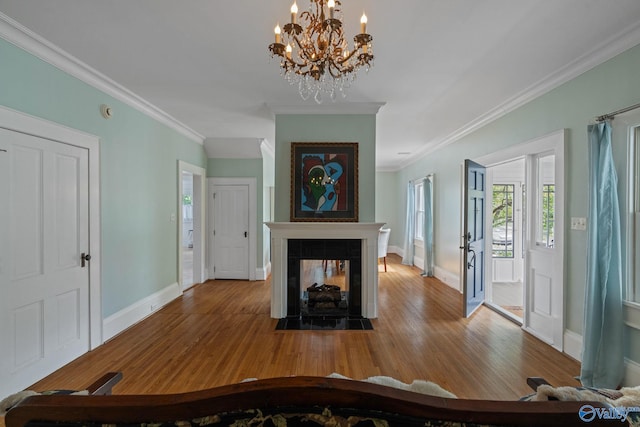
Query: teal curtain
[409,229]
[428,226]
[602,345]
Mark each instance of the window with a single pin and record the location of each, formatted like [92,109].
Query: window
[503,220]
[546,201]
[419,213]
[548,209]
[633,221]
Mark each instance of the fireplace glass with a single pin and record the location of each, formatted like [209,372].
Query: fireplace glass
[325,287]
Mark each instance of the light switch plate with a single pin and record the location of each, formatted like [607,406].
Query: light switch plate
[578,223]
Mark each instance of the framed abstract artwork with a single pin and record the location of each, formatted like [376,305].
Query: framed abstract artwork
[324,181]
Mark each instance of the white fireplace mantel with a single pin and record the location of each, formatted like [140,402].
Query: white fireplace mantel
[367,232]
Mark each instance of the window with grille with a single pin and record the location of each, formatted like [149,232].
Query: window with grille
[503,220]
[419,212]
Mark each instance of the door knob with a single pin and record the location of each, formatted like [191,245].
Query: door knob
[83,258]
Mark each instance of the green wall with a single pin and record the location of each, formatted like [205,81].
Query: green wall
[359,128]
[387,206]
[610,86]
[138,171]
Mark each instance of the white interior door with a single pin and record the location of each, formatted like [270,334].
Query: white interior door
[44,231]
[544,269]
[231,231]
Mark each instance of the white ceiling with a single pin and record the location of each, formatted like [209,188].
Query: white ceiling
[442,67]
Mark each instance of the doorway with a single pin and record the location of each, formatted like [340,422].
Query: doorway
[232,225]
[186,232]
[505,285]
[191,225]
[50,247]
[541,234]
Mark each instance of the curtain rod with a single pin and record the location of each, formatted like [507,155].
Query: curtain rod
[421,178]
[604,117]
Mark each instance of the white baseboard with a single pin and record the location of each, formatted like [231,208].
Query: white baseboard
[263,272]
[573,347]
[131,315]
[447,277]
[631,373]
[573,344]
[395,250]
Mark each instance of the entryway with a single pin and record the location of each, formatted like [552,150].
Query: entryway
[524,217]
[505,290]
[191,225]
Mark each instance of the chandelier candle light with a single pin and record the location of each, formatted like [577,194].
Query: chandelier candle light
[317,57]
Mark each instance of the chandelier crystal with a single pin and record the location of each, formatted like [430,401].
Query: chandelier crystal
[316,57]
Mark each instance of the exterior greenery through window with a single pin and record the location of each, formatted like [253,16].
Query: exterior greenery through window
[633,220]
[548,209]
[419,215]
[503,220]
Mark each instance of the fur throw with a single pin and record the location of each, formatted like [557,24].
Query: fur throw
[626,396]
[12,400]
[417,386]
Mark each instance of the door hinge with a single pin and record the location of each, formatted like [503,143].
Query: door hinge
[214,195]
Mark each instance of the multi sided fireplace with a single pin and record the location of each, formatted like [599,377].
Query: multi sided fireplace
[362,236]
[306,296]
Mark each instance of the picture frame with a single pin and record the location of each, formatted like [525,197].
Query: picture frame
[324,181]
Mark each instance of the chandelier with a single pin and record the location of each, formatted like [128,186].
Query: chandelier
[316,57]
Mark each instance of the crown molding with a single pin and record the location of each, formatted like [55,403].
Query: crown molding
[20,36]
[329,108]
[615,45]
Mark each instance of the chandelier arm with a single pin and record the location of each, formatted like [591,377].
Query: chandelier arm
[348,57]
[303,54]
[335,76]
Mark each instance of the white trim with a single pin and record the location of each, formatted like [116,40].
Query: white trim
[448,278]
[631,373]
[538,145]
[328,108]
[199,259]
[366,232]
[631,313]
[253,219]
[129,316]
[554,142]
[20,36]
[607,49]
[573,344]
[395,250]
[418,262]
[573,348]
[25,123]
[264,272]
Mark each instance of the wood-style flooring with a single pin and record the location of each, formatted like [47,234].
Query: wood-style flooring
[220,332]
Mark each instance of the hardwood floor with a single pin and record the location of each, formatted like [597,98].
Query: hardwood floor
[220,332]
